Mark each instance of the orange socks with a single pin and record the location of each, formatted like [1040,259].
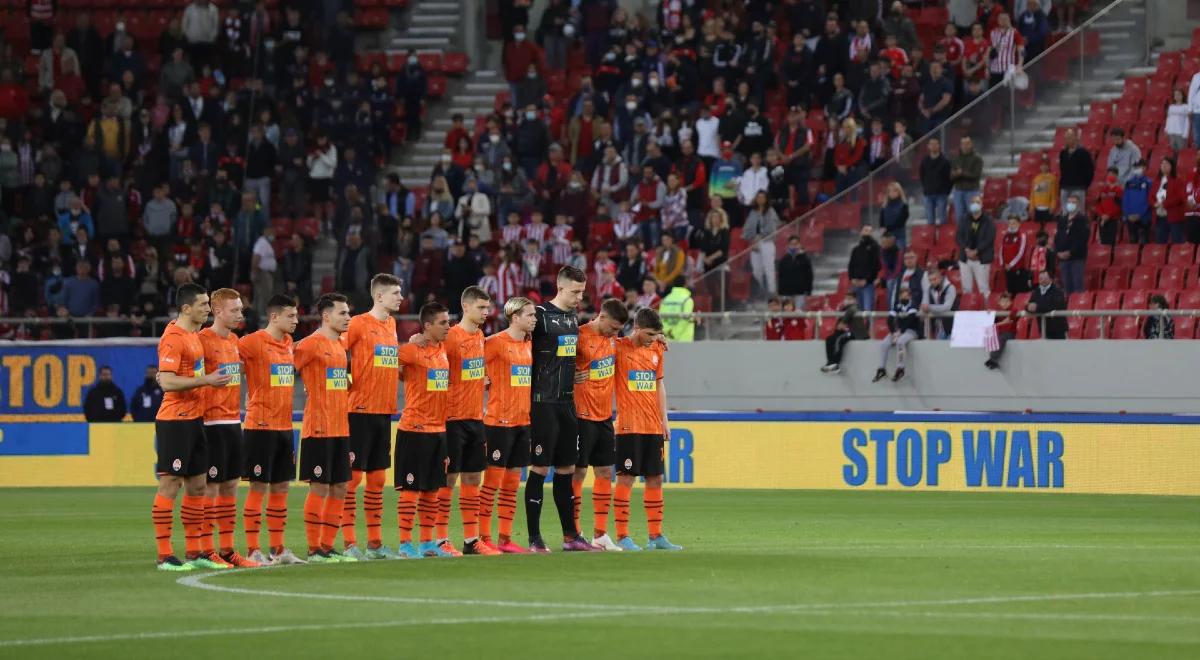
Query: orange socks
[577,488]
[314,505]
[406,510]
[445,496]
[207,543]
[653,498]
[331,521]
[350,509]
[276,519]
[621,506]
[492,478]
[508,502]
[252,519]
[226,521]
[192,514]
[601,501]
[468,506]
[373,507]
[427,507]
[163,515]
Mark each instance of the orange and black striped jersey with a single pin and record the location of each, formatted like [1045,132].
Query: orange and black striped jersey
[222,404]
[426,388]
[639,372]
[181,353]
[374,364]
[322,365]
[596,356]
[510,369]
[270,375]
[464,352]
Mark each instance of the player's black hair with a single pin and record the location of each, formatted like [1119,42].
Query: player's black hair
[430,311]
[278,302]
[647,318]
[187,294]
[571,274]
[616,310]
[384,280]
[473,293]
[328,300]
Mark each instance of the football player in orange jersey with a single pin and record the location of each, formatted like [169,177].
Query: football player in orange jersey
[179,431]
[594,369]
[223,426]
[508,357]
[374,383]
[641,427]
[325,437]
[465,442]
[269,448]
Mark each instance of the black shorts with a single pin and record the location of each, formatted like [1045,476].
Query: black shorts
[370,441]
[420,461]
[466,445]
[270,456]
[325,460]
[182,451]
[597,446]
[224,443]
[640,455]
[554,434]
[507,446]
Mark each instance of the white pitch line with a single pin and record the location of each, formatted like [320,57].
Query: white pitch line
[174,634]
[1036,616]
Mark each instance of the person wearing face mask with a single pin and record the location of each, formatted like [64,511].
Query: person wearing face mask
[530,89]
[976,237]
[863,269]
[514,190]
[1014,256]
[904,325]
[1136,206]
[1071,246]
[412,85]
[531,141]
[794,273]
[519,54]
[1108,208]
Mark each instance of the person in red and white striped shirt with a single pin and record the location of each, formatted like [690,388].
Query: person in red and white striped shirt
[537,229]
[512,233]
[561,236]
[625,227]
[531,264]
[509,276]
[1008,50]
[602,262]
[861,42]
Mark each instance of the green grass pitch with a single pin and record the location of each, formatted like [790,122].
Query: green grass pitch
[765,573]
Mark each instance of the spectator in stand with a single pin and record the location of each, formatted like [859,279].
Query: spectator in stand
[754,179]
[911,277]
[1076,169]
[1160,326]
[669,261]
[1193,101]
[773,329]
[1108,207]
[1071,246]
[1008,50]
[794,273]
[428,269]
[1034,28]
[893,213]
[81,293]
[648,197]
[1123,154]
[1169,199]
[146,399]
[105,402]
[531,141]
[849,156]
[795,142]
[1176,128]
[891,262]
[864,269]
[976,238]
[935,182]
[904,325]
[322,163]
[874,93]
[412,86]
[112,216]
[474,212]
[937,98]
[850,325]
[879,148]
[966,171]
[74,217]
[1014,256]
[1135,204]
[941,298]
[201,27]
[631,268]
[1066,14]
[262,270]
[761,224]
[1005,327]
[1044,193]
[531,89]
[1048,298]
[551,178]
[841,100]
[674,209]
[353,268]
[713,242]
[724,183]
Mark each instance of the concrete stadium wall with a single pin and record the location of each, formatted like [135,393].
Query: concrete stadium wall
[1062,376]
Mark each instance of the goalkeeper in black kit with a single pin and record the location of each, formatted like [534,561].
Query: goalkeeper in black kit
[554,431]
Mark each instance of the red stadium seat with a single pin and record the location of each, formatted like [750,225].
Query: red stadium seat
[1185,327]
[437,87]
[282,226]
[1189,300]
[921,236]
[1028,328]
[1081,300]
[972,302]
[309,227]
[430,61]
[1099,255]
[1127,327]
[1093,328]
[1182,254]
[1171,277]
[1135,299]
[1144,277]
[455,64]
[1154,255]
[1125,255]
[1107,300]
[1116,279]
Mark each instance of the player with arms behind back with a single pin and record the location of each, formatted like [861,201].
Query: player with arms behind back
[509,360]
[553,427]
[641,427]
[223,425]
[269,450]
[421,457]
[325,435]
[595,366]
[179,432]
[374,371]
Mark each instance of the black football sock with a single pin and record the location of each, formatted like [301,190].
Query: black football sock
[533,504]
[564,500]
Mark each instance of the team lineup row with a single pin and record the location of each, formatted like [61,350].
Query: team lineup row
[478,411]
